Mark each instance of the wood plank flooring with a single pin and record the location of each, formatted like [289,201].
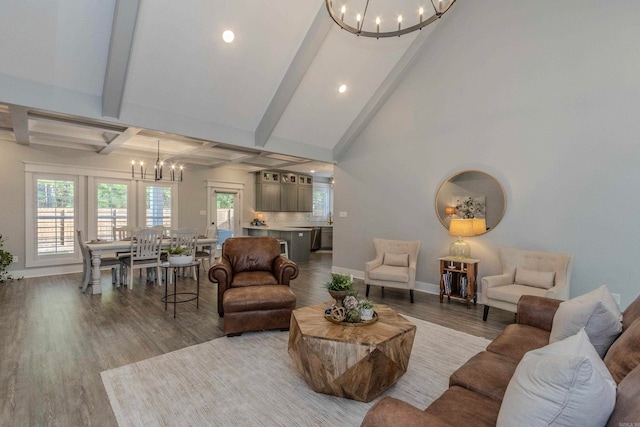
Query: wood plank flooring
[55,340]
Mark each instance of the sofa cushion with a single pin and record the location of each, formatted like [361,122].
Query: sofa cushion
[462,407]
[390,273]
[486,373]
[565,384]
[396,260]
[627,410]
[512,293]
[631,313]
[518,339]
[624,354]
[538,279]
[251,278]
[597,312]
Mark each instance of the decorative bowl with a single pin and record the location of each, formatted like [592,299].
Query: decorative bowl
[180,259]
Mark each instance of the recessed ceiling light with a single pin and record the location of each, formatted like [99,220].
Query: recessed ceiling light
[228,36]
[342,88]
[312,171]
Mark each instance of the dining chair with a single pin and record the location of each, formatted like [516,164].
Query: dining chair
[145,253]
[187,239]
[124,232]
[208,252]
[112,263]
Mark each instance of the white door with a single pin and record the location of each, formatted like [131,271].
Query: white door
[224,210]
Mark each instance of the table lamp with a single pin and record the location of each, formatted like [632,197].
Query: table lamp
[461,228]
[479,226]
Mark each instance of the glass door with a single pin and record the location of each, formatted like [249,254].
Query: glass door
[226,214]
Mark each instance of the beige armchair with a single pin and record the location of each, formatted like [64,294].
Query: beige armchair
[542,274]
[394,265]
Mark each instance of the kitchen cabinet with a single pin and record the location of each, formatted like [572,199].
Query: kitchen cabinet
[278,191]
[288,198]
[267,197]
[326,238]
[305,199]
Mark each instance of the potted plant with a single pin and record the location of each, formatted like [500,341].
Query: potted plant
[366,309]
[180,256]
[339,286]
[5,261]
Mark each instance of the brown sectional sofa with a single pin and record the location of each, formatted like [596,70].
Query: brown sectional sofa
[476,389]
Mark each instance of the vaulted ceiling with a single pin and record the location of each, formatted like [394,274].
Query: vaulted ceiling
[119,75]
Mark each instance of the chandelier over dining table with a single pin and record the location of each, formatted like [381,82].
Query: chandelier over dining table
[385,18]
[175,175]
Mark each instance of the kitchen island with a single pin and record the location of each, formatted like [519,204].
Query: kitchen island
[298,238]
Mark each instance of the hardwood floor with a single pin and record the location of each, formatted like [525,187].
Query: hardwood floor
[55,340]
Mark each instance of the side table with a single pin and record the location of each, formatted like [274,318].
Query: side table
[458,279]
[194,295]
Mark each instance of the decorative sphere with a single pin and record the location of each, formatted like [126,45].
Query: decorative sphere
[353,316]
[338,314]
[350,302]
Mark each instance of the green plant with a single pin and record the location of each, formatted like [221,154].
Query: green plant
[366,304]
[339,282]
[179,250]
[5,261]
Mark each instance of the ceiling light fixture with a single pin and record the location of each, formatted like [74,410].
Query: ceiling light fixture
[342,88]
[157,176]
[372,28]
[228,36]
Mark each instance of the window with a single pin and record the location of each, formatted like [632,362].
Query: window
[158,206]
[55,216]
[111,209]
[322,201]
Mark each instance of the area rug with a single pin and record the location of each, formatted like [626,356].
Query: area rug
[250,380]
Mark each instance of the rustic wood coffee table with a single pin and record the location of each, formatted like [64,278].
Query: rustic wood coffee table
[356,362]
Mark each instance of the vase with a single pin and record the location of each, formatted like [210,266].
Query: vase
[366,314]
[338,296]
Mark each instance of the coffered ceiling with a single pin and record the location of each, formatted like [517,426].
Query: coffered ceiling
[120,75]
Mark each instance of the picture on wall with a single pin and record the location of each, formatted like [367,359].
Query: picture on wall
[470,206]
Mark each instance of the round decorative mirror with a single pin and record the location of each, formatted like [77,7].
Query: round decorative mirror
[471,194]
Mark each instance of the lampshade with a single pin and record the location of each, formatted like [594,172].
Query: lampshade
[461,227]
[479,226]
[450,210]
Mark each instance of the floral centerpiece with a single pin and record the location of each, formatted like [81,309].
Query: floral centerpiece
[348,307]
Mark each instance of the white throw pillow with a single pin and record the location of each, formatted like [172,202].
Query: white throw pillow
[597,312]
[396,260]
[561,384]
[538,279]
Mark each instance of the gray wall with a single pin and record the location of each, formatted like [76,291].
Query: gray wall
[542,95]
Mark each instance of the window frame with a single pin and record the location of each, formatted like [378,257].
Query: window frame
[31,241]
[142,201]
[92,205]
[328,190]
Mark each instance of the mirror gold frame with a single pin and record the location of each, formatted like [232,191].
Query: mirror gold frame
[469,191]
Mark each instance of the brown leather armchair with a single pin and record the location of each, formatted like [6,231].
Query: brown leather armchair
[250,261]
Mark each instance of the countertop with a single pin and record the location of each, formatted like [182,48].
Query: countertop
[274,228]
[287,227]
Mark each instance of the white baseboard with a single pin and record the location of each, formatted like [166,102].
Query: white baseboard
[46,271]
[429,288]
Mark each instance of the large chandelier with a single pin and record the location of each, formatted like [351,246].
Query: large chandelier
[361,22]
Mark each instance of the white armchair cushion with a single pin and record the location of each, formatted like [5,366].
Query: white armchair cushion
[597,312]
[396,260]
[538,279]
[390,273]
[561,384]
[512,293]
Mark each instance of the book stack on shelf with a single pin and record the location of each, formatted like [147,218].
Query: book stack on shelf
[447,277]
[463,286]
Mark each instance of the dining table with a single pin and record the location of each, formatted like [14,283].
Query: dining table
[98,247]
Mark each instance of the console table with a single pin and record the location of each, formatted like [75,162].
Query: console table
[458,279]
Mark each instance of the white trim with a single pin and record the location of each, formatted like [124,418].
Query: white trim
[429,288]
[233,187]
[92,199]
[31,194]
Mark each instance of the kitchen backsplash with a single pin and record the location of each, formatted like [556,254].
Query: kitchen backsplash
[290,218]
